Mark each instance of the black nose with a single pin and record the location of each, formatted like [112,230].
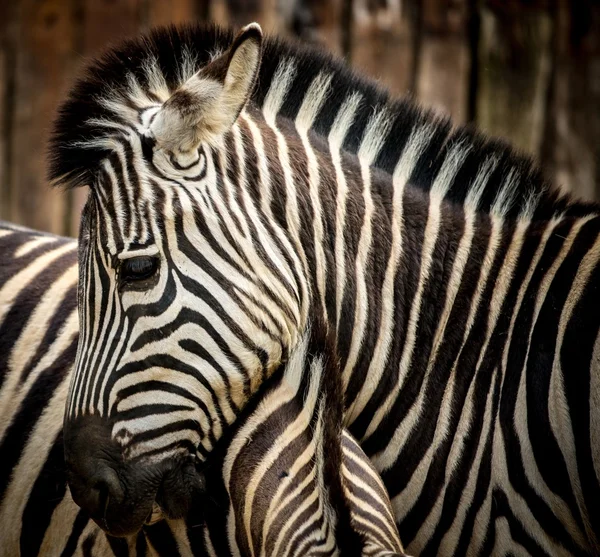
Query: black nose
[99,480]
[119,494]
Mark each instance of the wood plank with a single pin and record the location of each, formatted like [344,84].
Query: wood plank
[45,46]
[572,143]
[237,13]
[108,21]
[444,64]
[242,12]
[321,23]
[167,12]
[383,42]
[514,72]
[7,62]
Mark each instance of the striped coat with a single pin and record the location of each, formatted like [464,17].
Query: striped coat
[240,187]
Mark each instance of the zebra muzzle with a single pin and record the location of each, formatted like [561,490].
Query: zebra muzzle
[121,495]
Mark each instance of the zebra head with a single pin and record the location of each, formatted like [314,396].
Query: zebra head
[179,325]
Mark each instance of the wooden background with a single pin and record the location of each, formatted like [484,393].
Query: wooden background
[528,70]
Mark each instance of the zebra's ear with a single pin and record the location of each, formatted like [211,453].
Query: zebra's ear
[208,103]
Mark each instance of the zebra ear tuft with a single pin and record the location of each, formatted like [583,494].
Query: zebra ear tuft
[208,103]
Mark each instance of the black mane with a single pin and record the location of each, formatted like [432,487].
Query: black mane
[75,149]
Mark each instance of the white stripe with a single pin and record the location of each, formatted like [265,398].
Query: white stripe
[280,84]
[374,137]
[373,140]
[416,143]
[313,100]
[25,473]
[429,241]
[482,178]
[341,125]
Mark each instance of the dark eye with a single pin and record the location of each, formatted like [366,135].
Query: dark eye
[138,268]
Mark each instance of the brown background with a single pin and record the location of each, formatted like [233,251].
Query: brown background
[525,70]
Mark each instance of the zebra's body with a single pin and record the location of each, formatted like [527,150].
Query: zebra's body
[458,284]
[38,335]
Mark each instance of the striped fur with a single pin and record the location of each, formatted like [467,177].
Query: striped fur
[309,452]
[459,286]
[288,449]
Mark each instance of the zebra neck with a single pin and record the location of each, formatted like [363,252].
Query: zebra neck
[399,266]
[284,463]
[373,249]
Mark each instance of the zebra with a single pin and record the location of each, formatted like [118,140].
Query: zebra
[288,450]
[241,186]
[286,459]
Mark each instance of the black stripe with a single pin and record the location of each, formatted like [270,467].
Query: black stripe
[78,527]
[161,537]
[17,434]
[23,306]
[46,494]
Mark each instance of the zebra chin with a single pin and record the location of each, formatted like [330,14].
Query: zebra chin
[120,495]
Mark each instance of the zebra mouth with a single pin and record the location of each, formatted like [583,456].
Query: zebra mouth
[155,515]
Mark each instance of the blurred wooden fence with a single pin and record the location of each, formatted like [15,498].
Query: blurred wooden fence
[527,70]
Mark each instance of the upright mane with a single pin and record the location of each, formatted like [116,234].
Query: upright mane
[149,68]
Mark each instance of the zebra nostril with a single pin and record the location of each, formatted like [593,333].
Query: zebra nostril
[104,489]
[110,486]
[102,496]
[94,499]
[180,487]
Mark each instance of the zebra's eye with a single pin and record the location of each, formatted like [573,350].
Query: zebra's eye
[136,269]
